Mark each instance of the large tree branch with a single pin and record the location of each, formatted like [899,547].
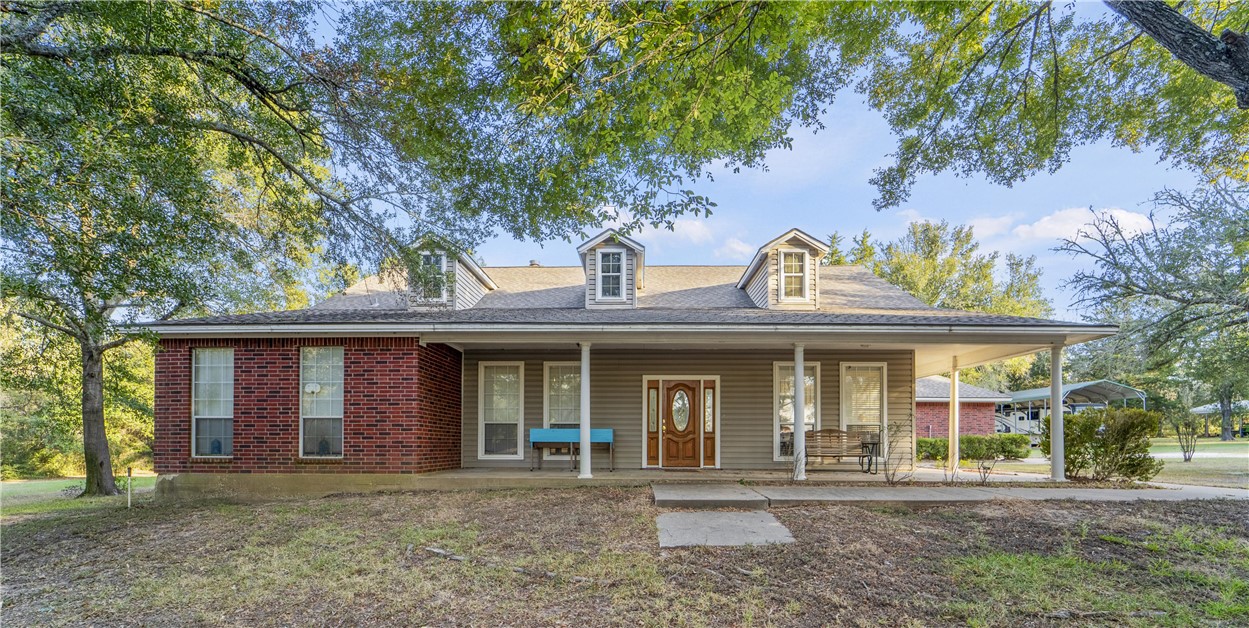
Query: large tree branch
[1224,59]
[77,335]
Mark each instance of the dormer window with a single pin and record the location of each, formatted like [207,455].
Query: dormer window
[783,273]
[430,283]
[794,275]
[611,275]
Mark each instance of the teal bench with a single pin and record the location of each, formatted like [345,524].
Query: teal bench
[558,437]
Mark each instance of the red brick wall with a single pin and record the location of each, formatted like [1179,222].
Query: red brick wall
[401,407]
[932,419]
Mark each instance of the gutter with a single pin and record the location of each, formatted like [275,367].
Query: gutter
[413,329]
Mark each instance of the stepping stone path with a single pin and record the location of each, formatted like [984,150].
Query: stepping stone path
[720,528]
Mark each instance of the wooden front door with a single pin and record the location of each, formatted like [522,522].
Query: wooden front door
[682,422]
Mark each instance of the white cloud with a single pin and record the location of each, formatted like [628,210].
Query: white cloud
[684,230]
[1067,223]
[735,250]
[988,226]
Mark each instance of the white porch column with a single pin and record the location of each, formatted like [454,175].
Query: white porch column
[953,454]
[585,412]
[800,414]
[1058,459]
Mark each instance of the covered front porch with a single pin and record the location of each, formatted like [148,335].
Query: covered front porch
[716,401]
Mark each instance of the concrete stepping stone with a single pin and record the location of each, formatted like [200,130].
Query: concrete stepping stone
[721,529]
[708,496]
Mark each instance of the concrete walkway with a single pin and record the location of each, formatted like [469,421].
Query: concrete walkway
[742,497]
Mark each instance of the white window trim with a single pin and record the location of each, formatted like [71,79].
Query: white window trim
[481,415]
[776,405]
[546,400]
[884,400]
[598,272]
[442,265]
[194,452]
[781,274]
[342,420]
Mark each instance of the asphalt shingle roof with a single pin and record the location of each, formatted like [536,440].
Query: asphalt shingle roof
[849,295]
[938,387]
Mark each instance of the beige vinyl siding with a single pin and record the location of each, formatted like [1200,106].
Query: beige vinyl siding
[813,281]
[760,286]
[628,283]
[467,289]
[746,405]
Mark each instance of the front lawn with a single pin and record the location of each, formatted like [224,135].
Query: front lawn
[590,557]
[1216,463]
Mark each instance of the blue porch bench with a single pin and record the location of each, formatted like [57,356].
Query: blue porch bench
[558,437]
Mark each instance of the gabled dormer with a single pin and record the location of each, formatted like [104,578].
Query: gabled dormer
[443,280]
[784,274]
[615,270]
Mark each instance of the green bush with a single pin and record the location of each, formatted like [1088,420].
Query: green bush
[1014,446]
[1109,443]
[931,449]
[975,447]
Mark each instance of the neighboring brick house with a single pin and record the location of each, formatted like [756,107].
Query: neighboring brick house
[676,366]
[977,407]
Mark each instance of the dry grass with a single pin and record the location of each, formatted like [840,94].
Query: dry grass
[346,561]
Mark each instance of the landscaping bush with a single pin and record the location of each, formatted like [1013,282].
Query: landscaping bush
[1010,446]
[1014,446]
[931,448]
[1109,443]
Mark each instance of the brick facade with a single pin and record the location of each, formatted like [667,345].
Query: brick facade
[401,407]
[932,419]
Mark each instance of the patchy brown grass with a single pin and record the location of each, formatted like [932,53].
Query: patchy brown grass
[590,557]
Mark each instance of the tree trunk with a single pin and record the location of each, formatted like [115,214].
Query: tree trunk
[94,440]
[1224,59]
[1225,408]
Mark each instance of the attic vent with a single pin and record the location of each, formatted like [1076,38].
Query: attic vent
[534,263]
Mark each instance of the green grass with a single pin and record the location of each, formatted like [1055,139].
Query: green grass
[1210,445]
[1209,586]
[35,496]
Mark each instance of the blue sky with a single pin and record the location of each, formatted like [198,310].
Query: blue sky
[821,186]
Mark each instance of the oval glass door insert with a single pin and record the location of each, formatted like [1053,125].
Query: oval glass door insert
[680,411]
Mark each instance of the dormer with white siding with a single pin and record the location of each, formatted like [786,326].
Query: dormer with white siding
[784,273]
[444,281]
[615,270]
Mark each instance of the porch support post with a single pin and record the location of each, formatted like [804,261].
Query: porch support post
[585,413]
[1058,459]
[952,457]
[800,414]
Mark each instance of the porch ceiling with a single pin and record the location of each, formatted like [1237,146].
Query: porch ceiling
[934,352]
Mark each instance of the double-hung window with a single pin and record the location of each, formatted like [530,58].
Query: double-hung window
[561,400]
[783,404]
[863,395]
[321,402]
[430,283]
[793,275]
[611,275]
[501,403]
[212,402]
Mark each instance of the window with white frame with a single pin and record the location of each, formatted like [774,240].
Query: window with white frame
[863,395]
[561,399]
[501,397]
[611,275]
[430,281]
[793,275]
[321,402]
[212,402]
[783,403]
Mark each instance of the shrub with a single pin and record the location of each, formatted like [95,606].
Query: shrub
[1014,446]
[1109,443]
[931,448]
[972,447]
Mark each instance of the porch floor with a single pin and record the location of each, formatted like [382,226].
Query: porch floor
[479,478]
